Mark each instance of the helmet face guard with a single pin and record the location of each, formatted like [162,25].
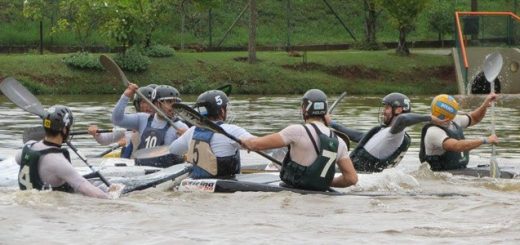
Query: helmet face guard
[395,100]
[164,93]
[147,92]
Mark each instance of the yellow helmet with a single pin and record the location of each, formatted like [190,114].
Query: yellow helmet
[444,107]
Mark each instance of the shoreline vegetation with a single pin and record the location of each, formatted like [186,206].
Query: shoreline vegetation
[358,72]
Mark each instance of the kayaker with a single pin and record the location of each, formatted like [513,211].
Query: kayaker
[154,130]
[212,154]
[384,145]
[443,146]
[44,165]
[129,140]
[314,151]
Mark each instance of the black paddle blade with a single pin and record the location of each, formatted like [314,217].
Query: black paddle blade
[35,133]
[192,116]
[21,97]
[226,89]
[110,65]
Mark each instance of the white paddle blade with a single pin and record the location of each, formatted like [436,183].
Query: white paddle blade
[21,97]
[492,66]
[494,170]
[152,152]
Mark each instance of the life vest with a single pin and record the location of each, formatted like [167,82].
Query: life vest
[153,137]
[126,152]
[205,163]
[364,161]
[29,177]
[450,159]
[318,175]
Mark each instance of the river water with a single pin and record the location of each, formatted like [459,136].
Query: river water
[416,205]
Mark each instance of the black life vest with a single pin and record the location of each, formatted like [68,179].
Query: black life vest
[450,159]
[318,175]
[364,161]
[29,177]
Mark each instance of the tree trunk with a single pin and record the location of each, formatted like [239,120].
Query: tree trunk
[402,49]
[370,22]
[252,32]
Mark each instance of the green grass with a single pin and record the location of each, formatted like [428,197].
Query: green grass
[192,73]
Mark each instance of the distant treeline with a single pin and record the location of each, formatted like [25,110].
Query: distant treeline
[216,24]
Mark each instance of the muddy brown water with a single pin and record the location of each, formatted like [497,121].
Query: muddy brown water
[482,210]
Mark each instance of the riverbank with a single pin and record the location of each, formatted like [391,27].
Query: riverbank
[358,72]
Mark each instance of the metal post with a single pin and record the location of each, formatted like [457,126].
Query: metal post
[339,19]
[41,37]
[210,16]
[233,24]
[288,15]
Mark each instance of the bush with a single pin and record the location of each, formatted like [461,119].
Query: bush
[132,60]
[83,60]
[159,51]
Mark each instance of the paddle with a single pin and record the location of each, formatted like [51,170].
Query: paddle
[492,66]
[111,148]
[84,159]
[24,99]
[189,114]
[331,108]
[340,134]
[152,152]
[38,133]
[113,68]
[226,89]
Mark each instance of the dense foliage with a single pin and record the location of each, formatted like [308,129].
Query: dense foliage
[83,60]
[182,23]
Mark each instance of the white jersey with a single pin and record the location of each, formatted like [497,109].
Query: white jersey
[435,136]
[383,144]
[302,149]
[221,145]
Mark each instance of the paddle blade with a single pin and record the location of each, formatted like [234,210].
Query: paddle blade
[35,133]
[226,89]
[192,116]
[152,152]
[494,170]
[21,97]
[492,66]
[110,65]
[331,108]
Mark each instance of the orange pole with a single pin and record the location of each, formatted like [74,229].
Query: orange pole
[461,41]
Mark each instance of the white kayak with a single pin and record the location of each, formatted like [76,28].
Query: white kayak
[109,167]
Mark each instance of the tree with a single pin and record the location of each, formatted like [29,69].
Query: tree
[403,16]
[371,12]
[83,17]
[440,19]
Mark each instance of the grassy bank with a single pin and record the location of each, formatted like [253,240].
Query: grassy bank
[357,72]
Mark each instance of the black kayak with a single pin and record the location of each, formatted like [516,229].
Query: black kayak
[483,171]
